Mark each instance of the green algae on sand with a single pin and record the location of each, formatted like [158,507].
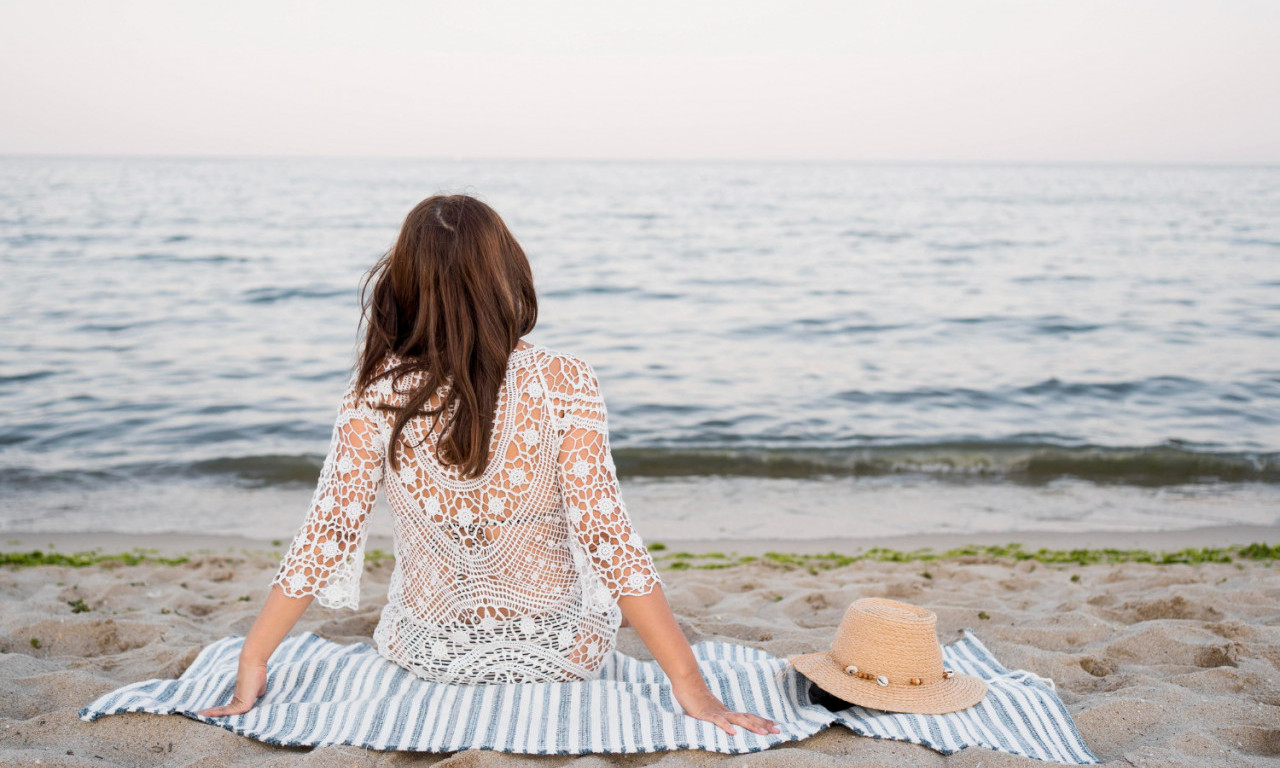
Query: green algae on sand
[1258,552]
[1014,552]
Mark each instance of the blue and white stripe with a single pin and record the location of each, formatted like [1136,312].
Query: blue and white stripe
[1020,714]
[321,693]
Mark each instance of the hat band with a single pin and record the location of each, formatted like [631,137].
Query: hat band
[883,680]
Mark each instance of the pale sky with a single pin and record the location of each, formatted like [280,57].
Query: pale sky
[902,80]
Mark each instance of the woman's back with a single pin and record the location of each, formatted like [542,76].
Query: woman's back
[515,556]
[511,576]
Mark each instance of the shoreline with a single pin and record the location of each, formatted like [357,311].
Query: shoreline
[679,510]
[179,544]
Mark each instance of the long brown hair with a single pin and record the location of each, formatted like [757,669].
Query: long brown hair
[451,299]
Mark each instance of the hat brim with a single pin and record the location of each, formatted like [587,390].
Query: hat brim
[949,695]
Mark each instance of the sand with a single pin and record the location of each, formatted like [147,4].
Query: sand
[1161,665]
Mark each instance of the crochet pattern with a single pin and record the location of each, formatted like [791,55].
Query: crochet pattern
[512,576]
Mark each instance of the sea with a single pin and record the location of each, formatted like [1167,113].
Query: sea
[786,350]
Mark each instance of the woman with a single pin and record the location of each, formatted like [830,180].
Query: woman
[515,560]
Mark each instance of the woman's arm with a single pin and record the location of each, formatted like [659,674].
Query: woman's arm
[276,619]
[651,618]
[610,546]
[326,557]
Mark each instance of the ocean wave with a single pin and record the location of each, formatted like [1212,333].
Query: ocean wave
[1022,463]
[271,295]
[1028,463]
[1046,389]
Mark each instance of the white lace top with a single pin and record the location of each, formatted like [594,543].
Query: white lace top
[509,577]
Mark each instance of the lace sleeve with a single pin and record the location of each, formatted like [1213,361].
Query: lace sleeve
[597,515]
[326,557]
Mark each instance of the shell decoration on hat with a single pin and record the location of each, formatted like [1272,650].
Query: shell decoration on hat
[886,656]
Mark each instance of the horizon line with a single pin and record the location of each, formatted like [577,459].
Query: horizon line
[656,159]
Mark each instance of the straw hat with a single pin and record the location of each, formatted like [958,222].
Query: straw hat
[886,656]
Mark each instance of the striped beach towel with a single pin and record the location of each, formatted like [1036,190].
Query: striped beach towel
[322,693]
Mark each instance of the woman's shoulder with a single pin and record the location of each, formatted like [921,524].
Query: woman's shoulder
[534,350]
[566,374]
[385,388]
[552,355]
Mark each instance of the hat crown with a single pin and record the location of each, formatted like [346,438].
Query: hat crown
[889,638]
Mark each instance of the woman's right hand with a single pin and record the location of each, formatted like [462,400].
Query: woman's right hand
[251,684]
[699,702]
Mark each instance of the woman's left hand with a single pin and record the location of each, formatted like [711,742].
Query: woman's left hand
[699,702]
[251,684]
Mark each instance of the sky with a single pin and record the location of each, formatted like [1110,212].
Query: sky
[1059,81]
